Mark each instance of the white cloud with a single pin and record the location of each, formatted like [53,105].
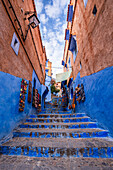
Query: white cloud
[44,30]
[57,25]
[65,12]
[53,34]
[64,2]
[43,18]
[58,19]
[39,6]
[54,10]
[54,50]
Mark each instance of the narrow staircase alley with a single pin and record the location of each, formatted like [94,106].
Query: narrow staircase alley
[55,140]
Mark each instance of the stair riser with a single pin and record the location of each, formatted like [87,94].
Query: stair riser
[56,113]
[60,126]
[58,152]
[56,116]
[60,135]
[58,120]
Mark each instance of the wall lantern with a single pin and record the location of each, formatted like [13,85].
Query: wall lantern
[33,22]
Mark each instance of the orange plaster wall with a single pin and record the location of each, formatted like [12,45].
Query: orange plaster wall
[19,65]
[94,36]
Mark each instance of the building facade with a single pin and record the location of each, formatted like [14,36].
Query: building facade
[89,50]
[22,60]
[48,79]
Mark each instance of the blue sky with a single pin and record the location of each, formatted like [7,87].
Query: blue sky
[52,15]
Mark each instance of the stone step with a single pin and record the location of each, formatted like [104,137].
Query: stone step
[59,120]
[60,125]
[60,130]
[61,142]
[35,163]
[102,152]
[57,115]
[61,134]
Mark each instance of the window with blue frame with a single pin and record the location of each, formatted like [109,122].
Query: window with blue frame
[63,63]
[67,34]
[73,46]
[70,14]
[85,3]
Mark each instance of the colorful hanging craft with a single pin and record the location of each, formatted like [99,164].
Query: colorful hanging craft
[29,92]
[35,102]
[23,92]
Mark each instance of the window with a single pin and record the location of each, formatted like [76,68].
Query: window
[94,10]
[80,65]
[70,13]
[85,3]
[66,34]
[75,51]
[73,46]
[63,63]
[15,44]
[34,83]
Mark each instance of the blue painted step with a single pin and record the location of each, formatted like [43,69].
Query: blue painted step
[61,134]
[52,116]
[41,113]
[88,125]
[58,120]
[57,115]
[102,152]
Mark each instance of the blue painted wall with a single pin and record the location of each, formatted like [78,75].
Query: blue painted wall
[10,116]
[99,97]
[38,85]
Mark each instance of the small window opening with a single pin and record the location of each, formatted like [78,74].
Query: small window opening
[15,42]
[80,65]
[94,10]
[34,83]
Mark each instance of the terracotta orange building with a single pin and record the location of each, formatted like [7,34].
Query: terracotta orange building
[22,63]
[89,51]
